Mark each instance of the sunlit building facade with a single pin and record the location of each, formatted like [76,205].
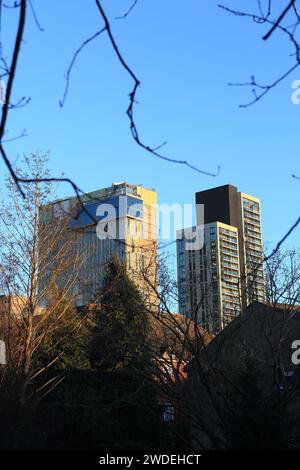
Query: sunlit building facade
[118,220]
[218,280]
[251,249]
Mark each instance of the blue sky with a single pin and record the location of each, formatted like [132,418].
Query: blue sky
[184,55]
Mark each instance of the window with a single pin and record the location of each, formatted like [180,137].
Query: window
[181,246]
[168,412]
[285,377]
[182,272]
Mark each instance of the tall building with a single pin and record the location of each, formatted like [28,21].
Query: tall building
[222,277]
[251,249]
[121,220]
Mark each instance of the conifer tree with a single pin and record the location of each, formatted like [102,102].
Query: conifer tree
[121,327]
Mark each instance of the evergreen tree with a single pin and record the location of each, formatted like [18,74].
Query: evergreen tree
[121,324]
[66,342]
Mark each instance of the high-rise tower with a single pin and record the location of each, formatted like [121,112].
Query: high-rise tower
[225,275]
[121,220]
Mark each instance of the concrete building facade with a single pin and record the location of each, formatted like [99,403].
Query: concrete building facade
[118,220]
[217,281]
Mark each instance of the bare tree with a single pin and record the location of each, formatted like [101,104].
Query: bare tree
[282,274]
[40,267]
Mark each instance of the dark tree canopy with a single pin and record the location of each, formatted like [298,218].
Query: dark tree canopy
[121,322]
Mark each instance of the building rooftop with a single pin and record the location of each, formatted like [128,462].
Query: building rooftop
[117,188]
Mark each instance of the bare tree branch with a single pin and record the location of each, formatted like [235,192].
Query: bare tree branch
[35,16]
[132,98]
[265,88]
[13,67]
[127,12]
[62,101]
[12,139]
[277,22]
[283,239]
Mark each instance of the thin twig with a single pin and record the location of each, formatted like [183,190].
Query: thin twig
[127,12]
[62,101]
[12,139]
[283,239]
[35,16]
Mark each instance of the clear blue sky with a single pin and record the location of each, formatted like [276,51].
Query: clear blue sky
[184,53]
